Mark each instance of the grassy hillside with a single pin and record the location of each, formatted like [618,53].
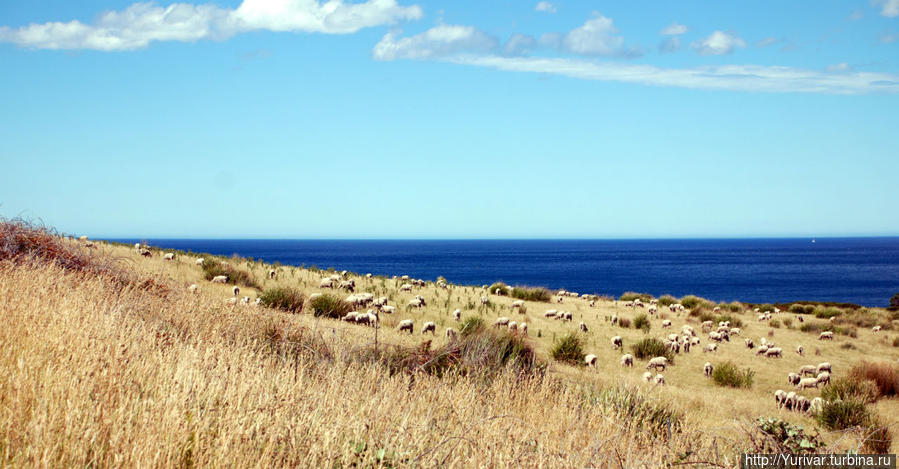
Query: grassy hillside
[108,359]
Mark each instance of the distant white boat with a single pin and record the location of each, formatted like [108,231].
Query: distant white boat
[813,240]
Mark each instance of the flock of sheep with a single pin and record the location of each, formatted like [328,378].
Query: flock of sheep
[809,376]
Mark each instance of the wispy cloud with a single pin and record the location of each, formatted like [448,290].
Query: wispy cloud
[718,43]
[669,45]
[597,36]
[674,29]
[545,7]
[889,8]
[142,23]
[840,67]
[766,42]
[439,41]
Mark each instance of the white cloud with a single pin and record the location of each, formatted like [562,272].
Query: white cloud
[439,41]
[840,67]
[670,44]
[142,23]
[718,43]
[545,7]
[889,8]
[766,42]
[598,36]
[519,44]
[751,78]
[674,29]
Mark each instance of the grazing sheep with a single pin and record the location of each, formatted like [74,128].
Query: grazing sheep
[429,327]
[807,383]
[627,360]
[451,333]
[790,401]
[762,350]
[749,343]
[271,274]
[236,290]
[350,317]
[686,344]
[590,360]
[735,331]
[592,303]
[826,335]
[326,283]
[710,348]
[657,362]
[193,288]
[457,314]
[367,275]
[245,300]
[405,325]
[876,329]
[823,378]
[659,380]
[707,325]
[169,256]
[146,253]
[808,370]
[794,378]
[484,300]
[258,301]
[800,350]
[550,313]
[617,342]
[666,324]
[774,352]
[780,397]
[513,326]
[816,406]
[673,338]
[716,336]
[416,303]
[566,316]
[647,376]
[368,318]
[199,261]
[517,304]
[707,369]
[583,327]
[501,322]
[824,366]
[802,403]
[406,287]
[523,328]
[688,330]
[388,309]
[614,320]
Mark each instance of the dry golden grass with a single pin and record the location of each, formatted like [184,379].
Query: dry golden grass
[94,371]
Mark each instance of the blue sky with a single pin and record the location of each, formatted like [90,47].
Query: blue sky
[464,119]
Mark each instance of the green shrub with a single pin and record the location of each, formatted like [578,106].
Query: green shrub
[846,388]
[797,309]
[642,322]
[843,414]
[878,438]
[631,296]
[667,300]
[651,347]
[472,325]
[827,313]
[502,287]
[788,322]
[626,323]
[691,301]
[329,306]
[532,294]
[569,350]
[283,298]
[727,374]
[213,268]
[766,308]
[784,437]
[632,408]
[884,375]
[734,320]
[774,323]
[735,307]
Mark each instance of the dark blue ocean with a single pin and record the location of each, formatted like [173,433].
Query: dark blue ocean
[855,270]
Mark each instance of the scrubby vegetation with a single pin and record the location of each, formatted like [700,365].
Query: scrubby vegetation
[773,435]
[499,288]
[667,300]
[631,296]
[329,306]
[283,298]
[641,321]
[626,323]
[845,388]
[213,268]
[532,294]
[569,349]
[651,347]
[729,374]
[884,375]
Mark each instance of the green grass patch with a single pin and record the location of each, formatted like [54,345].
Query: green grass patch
[499,288]
[568,349]
[532,294]
[650,347]
[213,268]
[283,298]
[729,375]
[631,296]
[641,321]
[328,305]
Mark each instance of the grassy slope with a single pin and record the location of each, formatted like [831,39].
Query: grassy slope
[94,373]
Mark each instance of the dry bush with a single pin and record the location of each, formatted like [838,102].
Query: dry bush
[884,375]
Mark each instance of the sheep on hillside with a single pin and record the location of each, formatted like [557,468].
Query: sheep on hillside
[503,321]
[583,327]
[199,261]
[657,363]
[236,290]
[707,369]
[627,360]
[169,256]
[808,370]
[710,348]
[193,288]
[590,360]
[659,379]
[451,333]
[826,335]
[824,366]
[457,314]
[429,327]
[405,325]
[617,342]
[807,383]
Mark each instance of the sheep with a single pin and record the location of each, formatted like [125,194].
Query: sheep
[716,336]
[780,397]
[484,300]
[735,331]
[652,310]
[688,330]
[824,366]
[666,323]
[749,343]
[793,378]
[271,274]
[245,300]
[326,283]
[802,403]
[566,316]
[816,406]
[592,303]
[823,378]
[800,350]
[513,326]
[416,303]
[707,369]
[457,314]
[517,304]
[807,383]
[647,376]
[550,313]
[368,318]
[451,333]
[429,327]
[406,287]
[380,301]
[137,246]
[590,360]
[826,335]
[686,344]
[367,275]
[627,360]
[583,327]
[808,370]
[790,401]
[388,309]
[350,317]
[169,256]
[707,325]
[193,287]
[523,328]
[659,380]
[503,321]
[657,362]
[199,261]
[236,290]
[405,325]
[774,352]
[258,301]
[876,329]
[348,285]
[231,301]
[146,253]
[614,320]
[673,337]
[673,346]
[617,342]
[710,348]
[761,350]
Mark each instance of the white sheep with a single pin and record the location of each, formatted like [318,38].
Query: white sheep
[627,360]
[169,256]
[707,369]
[826,335]
[416,303]
[617,342]
[271,274]
[350,317]
[583,327]
[800,350]
[523,328]
[614,320]
[749,343]
[659,379]
[688,330]
[550,313]
[199,261]
[780,397]
[774,352]
[802,403]
[657,362]
[388,309]
[710,348]
[808,370]
[326,283]
[823,378]
[590,360]
[517,304]
[245,300]
[816,406]
[824,366]
[457,314]
[405,325]
[193,287]
[647,376]
[503,321]
[761,350]
[876,329]
[790,401]
[451,333]
[513,326]
[429,327]
[666,323]
[794,378]
[236,290]
[807,383]
[484,300]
